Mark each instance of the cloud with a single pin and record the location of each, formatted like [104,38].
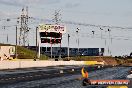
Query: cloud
[51,1]
[71,5]
[27,2]
[1,14]
[6,15]
[10,2]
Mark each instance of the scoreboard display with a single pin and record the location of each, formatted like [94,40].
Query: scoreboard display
[51,41]
[51,34]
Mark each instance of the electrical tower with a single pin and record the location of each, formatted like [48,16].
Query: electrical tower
[24,29]
[57,18]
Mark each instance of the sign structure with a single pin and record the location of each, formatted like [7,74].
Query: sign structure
[51,33]
[52,28]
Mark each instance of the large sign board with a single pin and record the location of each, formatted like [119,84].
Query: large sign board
[51,34]
[51,41]
[52,28]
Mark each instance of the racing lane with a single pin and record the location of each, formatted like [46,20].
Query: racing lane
[72,81]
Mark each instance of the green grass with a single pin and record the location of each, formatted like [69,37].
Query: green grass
[24,53]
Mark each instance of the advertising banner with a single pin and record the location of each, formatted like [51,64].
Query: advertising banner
[52,28]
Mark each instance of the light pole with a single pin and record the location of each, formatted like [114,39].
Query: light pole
[78,38]
[36,43]
[109,50]
[109,32]
[101,32]
[68,46]
[93,33]
[51,48]
[16,44]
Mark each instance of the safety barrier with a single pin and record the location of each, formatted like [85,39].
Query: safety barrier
[28,64]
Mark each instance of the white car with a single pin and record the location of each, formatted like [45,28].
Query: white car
[130,74]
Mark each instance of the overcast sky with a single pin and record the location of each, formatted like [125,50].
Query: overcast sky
[95,12]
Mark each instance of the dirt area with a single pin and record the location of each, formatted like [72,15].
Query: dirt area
[108,60]
[127,64]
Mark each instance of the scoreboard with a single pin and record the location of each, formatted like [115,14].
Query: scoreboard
[50,33]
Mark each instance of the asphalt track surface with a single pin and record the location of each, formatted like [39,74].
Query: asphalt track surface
[68,79]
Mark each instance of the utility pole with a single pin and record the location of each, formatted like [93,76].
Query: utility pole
[7,38]
[16,43]
[36,42]
[68,46]
[24,29]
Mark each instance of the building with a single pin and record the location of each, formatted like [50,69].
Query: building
[63,51]
[6,51]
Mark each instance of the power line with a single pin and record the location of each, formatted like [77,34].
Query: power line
[57,19]
[93,25]
[81,24]
[8,19]
[113,37]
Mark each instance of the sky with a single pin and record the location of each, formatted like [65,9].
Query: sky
[95,12]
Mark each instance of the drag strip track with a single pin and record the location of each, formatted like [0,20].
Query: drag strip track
[71,81]
[15,76]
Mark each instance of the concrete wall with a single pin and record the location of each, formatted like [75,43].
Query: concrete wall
[27,64]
